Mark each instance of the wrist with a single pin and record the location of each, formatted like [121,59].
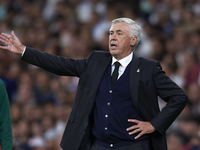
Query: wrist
[22,49]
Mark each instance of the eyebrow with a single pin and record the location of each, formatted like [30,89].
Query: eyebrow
[116,31]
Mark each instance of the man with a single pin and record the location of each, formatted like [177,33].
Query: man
[116,104]
[5,120]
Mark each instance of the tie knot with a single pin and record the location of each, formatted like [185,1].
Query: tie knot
[117,64]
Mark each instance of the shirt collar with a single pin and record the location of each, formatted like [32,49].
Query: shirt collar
[124,61]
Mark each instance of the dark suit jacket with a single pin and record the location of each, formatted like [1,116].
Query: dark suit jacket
[145,85]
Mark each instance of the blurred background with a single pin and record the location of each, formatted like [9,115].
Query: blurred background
[41,102]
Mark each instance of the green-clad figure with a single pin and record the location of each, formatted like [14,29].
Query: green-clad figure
[5,120]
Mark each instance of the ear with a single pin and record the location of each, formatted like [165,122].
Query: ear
[133,40]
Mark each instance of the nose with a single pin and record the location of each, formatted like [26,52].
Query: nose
[113,36]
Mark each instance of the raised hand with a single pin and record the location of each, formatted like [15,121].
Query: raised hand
[141,127]
[13,43]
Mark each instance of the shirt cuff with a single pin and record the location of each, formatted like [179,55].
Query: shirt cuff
[23,51]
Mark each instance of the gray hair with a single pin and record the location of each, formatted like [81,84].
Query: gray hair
[134,28]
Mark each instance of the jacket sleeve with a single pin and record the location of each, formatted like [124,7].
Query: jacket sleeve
[172,94]
[5,120]
[53,63]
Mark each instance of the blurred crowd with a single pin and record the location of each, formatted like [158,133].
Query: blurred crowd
[41,101]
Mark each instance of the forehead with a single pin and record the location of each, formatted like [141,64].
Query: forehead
[120,26]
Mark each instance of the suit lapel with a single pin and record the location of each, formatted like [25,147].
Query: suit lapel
[135,74]
[101,68]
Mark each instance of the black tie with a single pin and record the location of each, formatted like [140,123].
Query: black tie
[115,73]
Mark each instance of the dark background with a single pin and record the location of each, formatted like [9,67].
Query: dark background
[41,102]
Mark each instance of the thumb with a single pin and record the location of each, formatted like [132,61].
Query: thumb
[13,34]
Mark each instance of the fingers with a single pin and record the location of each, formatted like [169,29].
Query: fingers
[13,34]
[12,42]
[2,38]
[141,128]
[4,47]
[132,128]
[139,135]
[137,130]
[4,41]
[135,126]
[6,35]
[134,121]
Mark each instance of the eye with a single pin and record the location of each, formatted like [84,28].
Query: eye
[111,33]
[119,33]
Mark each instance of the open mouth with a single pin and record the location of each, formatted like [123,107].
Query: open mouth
[113,45]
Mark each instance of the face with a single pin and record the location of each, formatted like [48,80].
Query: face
[120,43]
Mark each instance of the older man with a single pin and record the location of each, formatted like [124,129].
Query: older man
[116,104]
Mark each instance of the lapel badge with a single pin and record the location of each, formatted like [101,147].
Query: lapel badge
[138,70]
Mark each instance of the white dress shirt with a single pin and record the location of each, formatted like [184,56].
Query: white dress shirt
[124,63]
[23,51]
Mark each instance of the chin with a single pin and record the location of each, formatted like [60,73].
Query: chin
[113,53]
